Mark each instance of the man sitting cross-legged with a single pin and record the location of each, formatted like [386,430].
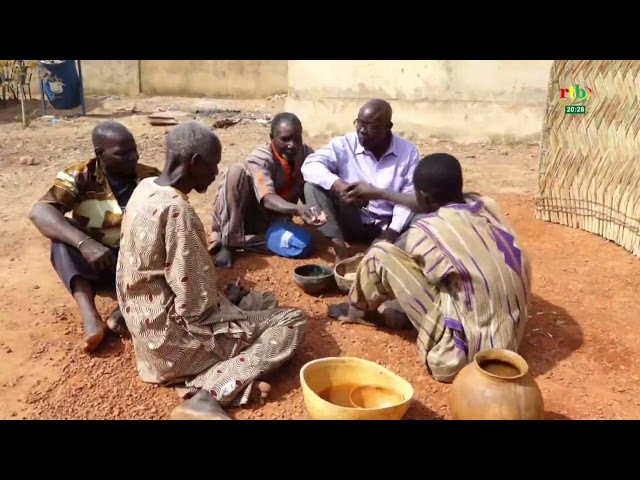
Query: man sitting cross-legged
[372,154]
[84,248]
[460,275]
[268,187]
[184,330]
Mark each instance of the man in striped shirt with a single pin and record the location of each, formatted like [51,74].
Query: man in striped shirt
[459,274]
[267,188]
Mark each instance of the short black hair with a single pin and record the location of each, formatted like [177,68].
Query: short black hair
[109,129]
[440,176]
[284,117]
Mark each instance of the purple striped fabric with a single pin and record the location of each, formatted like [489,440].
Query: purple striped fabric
[474,282]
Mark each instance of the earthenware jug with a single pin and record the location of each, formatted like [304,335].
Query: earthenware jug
[496,385]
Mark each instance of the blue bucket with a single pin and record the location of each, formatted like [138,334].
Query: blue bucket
[62,83]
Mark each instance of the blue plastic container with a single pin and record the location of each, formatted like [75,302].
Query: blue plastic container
[62,85]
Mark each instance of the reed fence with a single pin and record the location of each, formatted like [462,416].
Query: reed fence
[589,176]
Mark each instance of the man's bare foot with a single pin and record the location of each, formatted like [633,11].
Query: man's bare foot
[94,332]
[116,323]
[224,258]
[347,314]
[342,252]
[264,388]
[92,324]
[202,406]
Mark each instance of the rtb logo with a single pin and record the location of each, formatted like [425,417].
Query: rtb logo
[575,95]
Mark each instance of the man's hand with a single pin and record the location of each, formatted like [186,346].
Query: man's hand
[312,216]
[97,255]
[388,235]
[339,186]
[358,194]
[362,191]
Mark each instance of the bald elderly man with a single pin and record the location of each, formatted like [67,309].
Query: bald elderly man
[373,155]
[84,248]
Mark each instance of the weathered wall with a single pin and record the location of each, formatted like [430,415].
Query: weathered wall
[467,100]
[111,77]
[471,100]
[214,78]
[189,78]
[104,77]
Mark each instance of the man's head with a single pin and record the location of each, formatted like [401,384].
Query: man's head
[374,124]
[438,181]
[286,135]
[115,149]
[192,157]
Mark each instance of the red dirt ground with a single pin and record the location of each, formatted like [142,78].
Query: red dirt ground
[581,343]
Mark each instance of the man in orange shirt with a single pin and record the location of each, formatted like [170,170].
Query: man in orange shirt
[268,187]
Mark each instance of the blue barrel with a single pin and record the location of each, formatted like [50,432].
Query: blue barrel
[61,84]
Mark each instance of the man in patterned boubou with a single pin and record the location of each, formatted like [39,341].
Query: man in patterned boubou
[185,332]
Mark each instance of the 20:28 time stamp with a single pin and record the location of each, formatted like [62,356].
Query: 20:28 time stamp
[574,109]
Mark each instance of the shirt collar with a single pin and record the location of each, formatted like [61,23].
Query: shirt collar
[472,205]
[391,150]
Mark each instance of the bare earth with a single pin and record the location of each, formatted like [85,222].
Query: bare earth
[580,343]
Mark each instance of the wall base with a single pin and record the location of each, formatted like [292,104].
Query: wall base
[463,122]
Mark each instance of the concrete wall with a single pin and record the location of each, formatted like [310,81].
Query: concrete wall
[104,77]
[467,100]
[214,78]
[111,77]
[188,78]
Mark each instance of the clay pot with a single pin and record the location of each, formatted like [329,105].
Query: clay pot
[497,385]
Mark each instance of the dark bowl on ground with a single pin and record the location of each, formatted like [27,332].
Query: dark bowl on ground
[313,278]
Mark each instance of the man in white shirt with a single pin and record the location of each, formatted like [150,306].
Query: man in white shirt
[374,155]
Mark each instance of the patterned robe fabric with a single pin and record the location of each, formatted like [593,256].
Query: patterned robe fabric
[462,278]
[84,190]
[184,330]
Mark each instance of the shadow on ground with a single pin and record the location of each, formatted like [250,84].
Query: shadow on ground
[243,264]
[555,416]
[551,336]
[111,346]
[419,411]
[10,110]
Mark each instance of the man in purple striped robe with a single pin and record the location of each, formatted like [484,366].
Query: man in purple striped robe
[459,273]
